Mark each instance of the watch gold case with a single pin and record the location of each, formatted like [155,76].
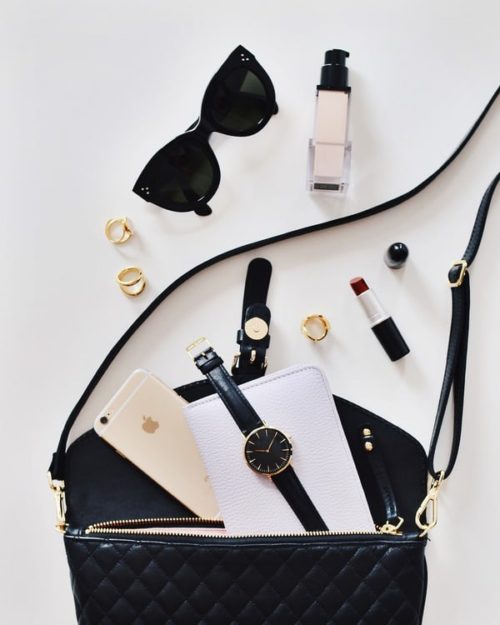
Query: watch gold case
[281,469]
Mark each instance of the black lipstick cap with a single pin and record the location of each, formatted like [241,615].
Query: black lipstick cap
[396,255]
[391,340]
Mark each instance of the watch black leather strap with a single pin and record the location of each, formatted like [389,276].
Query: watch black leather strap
[211,365]
[292,490]
[253,336]
[247,419]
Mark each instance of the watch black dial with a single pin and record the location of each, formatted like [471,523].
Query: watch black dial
[268,450]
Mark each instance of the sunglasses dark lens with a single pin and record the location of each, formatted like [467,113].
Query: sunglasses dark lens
[239,101]
[181,173]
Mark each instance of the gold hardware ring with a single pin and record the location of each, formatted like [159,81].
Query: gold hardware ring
[315,322]
[461,276]
[118,230]
[131,281]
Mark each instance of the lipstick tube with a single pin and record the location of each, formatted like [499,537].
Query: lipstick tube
[329,149]
[381,323]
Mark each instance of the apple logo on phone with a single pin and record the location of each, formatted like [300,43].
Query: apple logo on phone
[149,425]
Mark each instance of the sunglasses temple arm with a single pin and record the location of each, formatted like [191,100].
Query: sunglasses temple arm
[203,210]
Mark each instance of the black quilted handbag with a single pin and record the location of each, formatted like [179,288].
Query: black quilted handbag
[130,563]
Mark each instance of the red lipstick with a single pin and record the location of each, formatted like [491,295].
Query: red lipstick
[381,323]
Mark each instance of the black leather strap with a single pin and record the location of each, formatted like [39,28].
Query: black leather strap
[57,464]
[379,471]
[299,501]
[456,358]
[247,419]
[211,365]
[251,362]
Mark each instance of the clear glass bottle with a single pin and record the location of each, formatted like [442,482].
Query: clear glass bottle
[329,149]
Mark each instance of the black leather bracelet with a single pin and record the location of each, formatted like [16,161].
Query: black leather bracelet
[253,336]
[249,422]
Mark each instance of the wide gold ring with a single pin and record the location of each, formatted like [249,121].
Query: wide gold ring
[131,281]
[118,230]
[313,322]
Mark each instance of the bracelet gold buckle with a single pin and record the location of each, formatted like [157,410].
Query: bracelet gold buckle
[463,269]
[430,501]
[253,358]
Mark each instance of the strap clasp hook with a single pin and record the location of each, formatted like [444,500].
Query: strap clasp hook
[58,488]
[430,503]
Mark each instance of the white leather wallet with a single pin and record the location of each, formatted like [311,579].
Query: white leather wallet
[299,402]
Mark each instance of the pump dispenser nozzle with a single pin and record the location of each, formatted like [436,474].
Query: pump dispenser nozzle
[334,73]
[329,149]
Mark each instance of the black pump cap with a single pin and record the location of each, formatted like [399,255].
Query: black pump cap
[334,73]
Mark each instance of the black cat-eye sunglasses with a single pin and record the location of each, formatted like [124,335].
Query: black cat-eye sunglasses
[239,101]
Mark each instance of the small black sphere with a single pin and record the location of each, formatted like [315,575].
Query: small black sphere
[396,255]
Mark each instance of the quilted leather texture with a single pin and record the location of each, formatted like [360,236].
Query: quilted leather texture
[314,581]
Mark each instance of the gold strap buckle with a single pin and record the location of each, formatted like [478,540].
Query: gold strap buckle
[463,268]
[392,528]
[253,358]
[198,348]
[58,488]
[430,501]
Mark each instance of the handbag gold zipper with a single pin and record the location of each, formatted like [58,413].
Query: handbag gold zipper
[124,524]
[125,527]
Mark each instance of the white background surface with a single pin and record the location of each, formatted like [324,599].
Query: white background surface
[90,91]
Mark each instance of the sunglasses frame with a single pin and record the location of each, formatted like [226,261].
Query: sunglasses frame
[199,132]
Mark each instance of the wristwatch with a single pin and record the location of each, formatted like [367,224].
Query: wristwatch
[267,450]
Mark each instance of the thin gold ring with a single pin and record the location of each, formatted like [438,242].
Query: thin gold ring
[120,278]
[306,331]
[125,230]
[129,290]
[135,284]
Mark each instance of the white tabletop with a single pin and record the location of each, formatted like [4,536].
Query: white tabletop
[92,89]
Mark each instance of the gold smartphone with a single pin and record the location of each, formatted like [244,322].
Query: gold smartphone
[144,422]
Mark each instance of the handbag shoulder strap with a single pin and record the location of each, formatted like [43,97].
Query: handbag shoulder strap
[454,376]
[456,358]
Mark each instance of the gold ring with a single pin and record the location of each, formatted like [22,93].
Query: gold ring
[315,321]
[118,225]
[131,281]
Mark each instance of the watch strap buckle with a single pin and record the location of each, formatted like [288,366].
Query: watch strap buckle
[199,347]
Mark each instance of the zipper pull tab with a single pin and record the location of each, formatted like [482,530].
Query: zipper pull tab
[58,488]
[392,528]
[430,501]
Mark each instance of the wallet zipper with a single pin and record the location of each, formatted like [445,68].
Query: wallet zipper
[125,527]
